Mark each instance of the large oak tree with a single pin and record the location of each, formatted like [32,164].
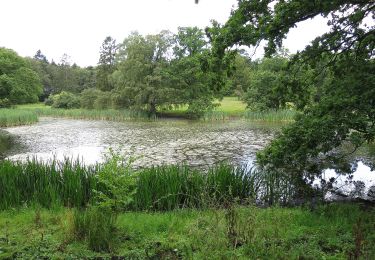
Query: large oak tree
[345,111]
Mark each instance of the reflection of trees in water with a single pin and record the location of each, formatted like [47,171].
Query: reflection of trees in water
[5,143]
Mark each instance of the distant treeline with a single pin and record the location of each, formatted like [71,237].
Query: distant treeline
[155,72]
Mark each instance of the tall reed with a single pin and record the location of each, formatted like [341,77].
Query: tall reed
[47,184]
[172,187]
[93,114]
[271,115]
[69,183]
[16,117]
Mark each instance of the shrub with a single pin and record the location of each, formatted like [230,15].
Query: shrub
[49,101]
[5,103]
[103,101]
[65,100]
[89,96]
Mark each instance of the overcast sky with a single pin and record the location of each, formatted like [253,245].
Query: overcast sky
[78,27]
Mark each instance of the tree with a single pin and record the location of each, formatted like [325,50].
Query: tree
[346,108]
[240,78]
[40,65]
[191,55]
[106,65]
[266,90]
[142,78]
[18,82]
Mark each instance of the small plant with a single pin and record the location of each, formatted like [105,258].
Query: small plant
[96,225]
[358,240]
[115,183]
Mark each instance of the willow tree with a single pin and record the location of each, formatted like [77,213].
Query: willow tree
[346,108]
[142,78]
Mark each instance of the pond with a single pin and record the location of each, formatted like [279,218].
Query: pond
[150,143]
[165,141]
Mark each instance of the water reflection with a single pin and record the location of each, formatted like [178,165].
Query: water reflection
[196,144]
[152,143]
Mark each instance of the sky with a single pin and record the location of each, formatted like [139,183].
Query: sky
[78,27]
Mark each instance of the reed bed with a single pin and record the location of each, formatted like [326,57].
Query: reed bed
[94,114]
[266,116]
[69,183]
[217,115]
[271,115]
[16,117]
[175,187]
[46,184]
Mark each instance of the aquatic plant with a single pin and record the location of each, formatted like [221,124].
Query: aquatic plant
[271,115]
[16,117]
[94,114]
[116,186]
[173,187]
[49,184]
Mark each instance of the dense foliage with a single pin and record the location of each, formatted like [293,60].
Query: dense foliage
[341,82]
[18,82]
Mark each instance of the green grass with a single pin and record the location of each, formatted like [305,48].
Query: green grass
[69,183]
[271,115]
[334,231]
[94,114]
[90,114]
[173,187]
[45,184]
[16,117]
[229,108]
[232,107]
[39,105]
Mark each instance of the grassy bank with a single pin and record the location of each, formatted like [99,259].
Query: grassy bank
[16,117]
[94,114]
[285,115]
[229,108]
[68,210]
[335,231]
[90,114]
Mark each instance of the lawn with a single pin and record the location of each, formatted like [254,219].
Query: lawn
[336,231]
[232,106]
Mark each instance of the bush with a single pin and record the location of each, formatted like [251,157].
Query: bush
[5,103]
[103,101]
[49,101]
[89,96]
[65,100]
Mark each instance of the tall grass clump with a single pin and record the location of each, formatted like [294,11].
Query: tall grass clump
[97,226]
[116,186]
[271,115]
[215,115]
[16,117]
[173,187]
[47,184]
[94,114]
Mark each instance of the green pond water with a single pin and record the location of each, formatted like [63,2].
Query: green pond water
[150,143]
[165,141]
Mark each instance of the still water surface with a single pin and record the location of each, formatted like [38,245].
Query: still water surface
[198,144]
[152,143]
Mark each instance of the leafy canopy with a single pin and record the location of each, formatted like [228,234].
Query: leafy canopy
[344,110]
[18,82]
